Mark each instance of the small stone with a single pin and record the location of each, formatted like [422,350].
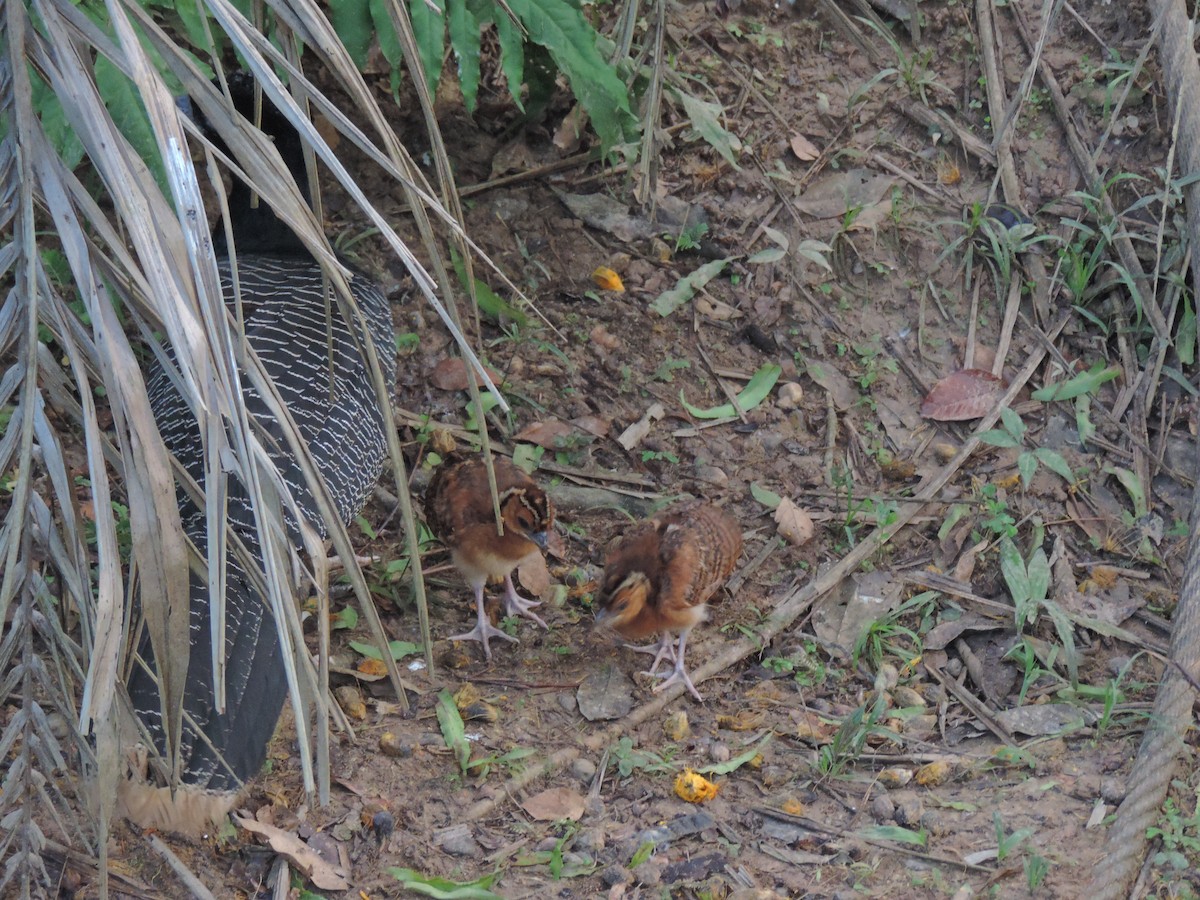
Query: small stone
[457,840]
[887,677]
[775,776]
[566,702]
[593,806]
[908,811]
[590,840]
[907,697]
[790,395]
[882,808]
[390,745]
[614,875]
[719,752]
[1112,790]
[934,823]
[584,770]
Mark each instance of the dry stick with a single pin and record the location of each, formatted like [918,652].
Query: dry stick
[1158,756]
[790,608]
[190,881]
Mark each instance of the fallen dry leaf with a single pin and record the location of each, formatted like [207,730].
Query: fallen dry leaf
[805,150]
[793,523]
[554,805]
[450,374]
[324,875]
[597,425]
[636,433]
[962,395]
[548,433]
[533,574]
[608,280]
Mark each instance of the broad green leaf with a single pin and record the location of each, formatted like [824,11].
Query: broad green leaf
[1066,634]
[1012,567]
[512,55]
[755,391]
[561,28]
[1012,422]
[429,28]
[352,21]
[957,511]
[385,31]
[490,303]
[347,618]
[1027,466]
[1038,571]
[894,833]
[670,300]
[766,497]
[705,118]
[641,854]
[1054,461]
[737,762]
[997,438]
[54,123]
[1083,383]
[398,649]
[1133,487]
[815,251]
[464,40]
[444,888]
[454,733]
[125,105]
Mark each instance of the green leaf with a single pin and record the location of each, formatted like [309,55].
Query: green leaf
[385,31]
[1133,487]
[125,105]
[894,833]
[737,762]
[1012,423]
[1054,461]
[454,733]
[347,618]
[705,118]
[997,438]
[815,251]
[1026,465]
[775,253]
[54,122]
[641,854]
[351,19]
[561,28]
[1039,575]
[670,300]
[766,497]
[1012,567]
[398,649]
[465,41]
[1083,383]
[490,303]
[512,55]
[756,390]
[444,888]
[429,28]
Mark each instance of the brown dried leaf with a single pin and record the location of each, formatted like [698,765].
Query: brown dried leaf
[548,433]
[450,374]
[597,425]
[321,873]
[793,523]
[555,804]
[533,574]
[805,150]
[963,395]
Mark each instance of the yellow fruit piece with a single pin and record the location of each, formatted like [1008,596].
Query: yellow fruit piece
[608,280]
[694,788]
[676,726]
[369,666]
[934,773]
[793,807]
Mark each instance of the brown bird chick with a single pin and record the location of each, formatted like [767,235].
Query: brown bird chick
[458,507]
[659,578]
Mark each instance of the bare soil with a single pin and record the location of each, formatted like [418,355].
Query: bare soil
[863,342]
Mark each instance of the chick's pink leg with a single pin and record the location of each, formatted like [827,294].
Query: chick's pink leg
[516,605]
[680,673]
[664,649]
[483,629]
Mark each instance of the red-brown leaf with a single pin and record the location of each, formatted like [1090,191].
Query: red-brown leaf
[963,395]
[548,433]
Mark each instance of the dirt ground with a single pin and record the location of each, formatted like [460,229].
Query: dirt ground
[896,771]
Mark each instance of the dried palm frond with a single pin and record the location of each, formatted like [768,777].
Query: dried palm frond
[140,264]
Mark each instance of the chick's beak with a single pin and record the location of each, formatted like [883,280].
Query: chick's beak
[541,538]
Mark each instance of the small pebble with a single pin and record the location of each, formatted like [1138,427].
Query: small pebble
[614,875]
[719,752]
[1112,790]
[790,395]
[907,697]
[566,702]
[882,808]
[934,823]
[457,840]
[584,770]
[908,811]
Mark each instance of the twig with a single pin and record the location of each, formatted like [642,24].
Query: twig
[189,879]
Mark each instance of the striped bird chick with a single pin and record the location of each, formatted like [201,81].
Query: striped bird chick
[659,578]
[458,507]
